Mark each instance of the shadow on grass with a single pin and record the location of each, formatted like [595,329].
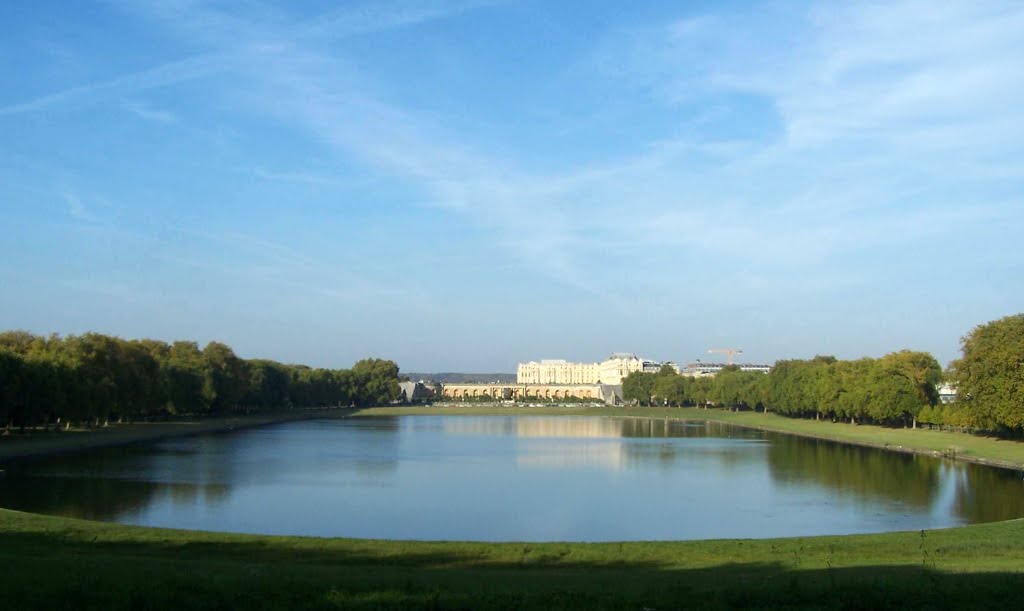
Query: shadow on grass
[89,569]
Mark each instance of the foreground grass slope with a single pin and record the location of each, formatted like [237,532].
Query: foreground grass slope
[964,446]
[53,562]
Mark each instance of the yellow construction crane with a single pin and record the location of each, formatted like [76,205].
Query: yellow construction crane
[730,351]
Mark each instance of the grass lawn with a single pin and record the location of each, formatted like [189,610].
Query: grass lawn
[988,450]
[53,562]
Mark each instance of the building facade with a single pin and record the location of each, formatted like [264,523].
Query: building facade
[558,371]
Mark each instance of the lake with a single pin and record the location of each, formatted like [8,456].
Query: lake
[527,478]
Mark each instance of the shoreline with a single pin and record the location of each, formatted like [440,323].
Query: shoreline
[38,444]
[977,460]
[972,450]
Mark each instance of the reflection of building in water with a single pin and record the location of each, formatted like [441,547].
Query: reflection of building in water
[609,371]
[606,455]
[537,427]
[581,428]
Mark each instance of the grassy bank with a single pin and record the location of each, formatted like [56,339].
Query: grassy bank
[962,446]
[39,443]
[52,562]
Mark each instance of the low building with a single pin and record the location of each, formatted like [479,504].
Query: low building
[947,393]
[498,391]
[414,392]
[698,369]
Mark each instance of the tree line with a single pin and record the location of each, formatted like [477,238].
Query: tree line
[889,390]
[93,378]
[898,389]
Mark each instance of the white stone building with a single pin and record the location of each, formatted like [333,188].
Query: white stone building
[558,371]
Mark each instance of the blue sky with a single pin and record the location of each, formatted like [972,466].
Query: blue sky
[464,185]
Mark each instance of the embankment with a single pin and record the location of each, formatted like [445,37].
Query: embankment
[75,440]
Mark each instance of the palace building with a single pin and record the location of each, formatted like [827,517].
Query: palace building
[609,371]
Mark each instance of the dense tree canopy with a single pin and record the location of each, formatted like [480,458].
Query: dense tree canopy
[92,378]
[890,390]
[990,375]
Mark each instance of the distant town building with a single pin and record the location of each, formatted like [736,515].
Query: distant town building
[497,391]
[416,392]
[698,369]
[947,392]
[609,371]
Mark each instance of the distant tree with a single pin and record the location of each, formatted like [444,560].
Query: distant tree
[94,377]
[669,388]
[268,385]
[184,376]
[892,396]
[226,377]
[638,386]
[726,388]
[375,382]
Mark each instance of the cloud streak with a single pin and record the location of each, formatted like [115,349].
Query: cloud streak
[147,113]
[164,75]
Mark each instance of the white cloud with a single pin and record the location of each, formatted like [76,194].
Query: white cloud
[76,208]
[148,113]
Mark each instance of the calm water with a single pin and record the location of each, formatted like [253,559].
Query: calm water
[513,478]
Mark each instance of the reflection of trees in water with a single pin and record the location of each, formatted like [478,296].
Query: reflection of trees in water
[95,498]
[107,483]
[864,473]
[986,494]
[654,427]
[726,457]
[726,447]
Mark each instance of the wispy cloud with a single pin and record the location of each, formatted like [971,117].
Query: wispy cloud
[871,104]
[76,208]
[876,102]
[382,16]
[148,113]
[164,75]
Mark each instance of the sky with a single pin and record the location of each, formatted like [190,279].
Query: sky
[460,186]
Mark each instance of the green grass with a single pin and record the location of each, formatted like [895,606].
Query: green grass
[51,562]
[963,446]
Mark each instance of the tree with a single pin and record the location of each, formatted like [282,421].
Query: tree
[990,375]
[268,385]
[183,375]
[226,377]
[94,377]
[669,389]
[892,396]
[638,386]
[374,382]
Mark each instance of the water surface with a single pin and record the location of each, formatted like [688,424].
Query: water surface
[527,478]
